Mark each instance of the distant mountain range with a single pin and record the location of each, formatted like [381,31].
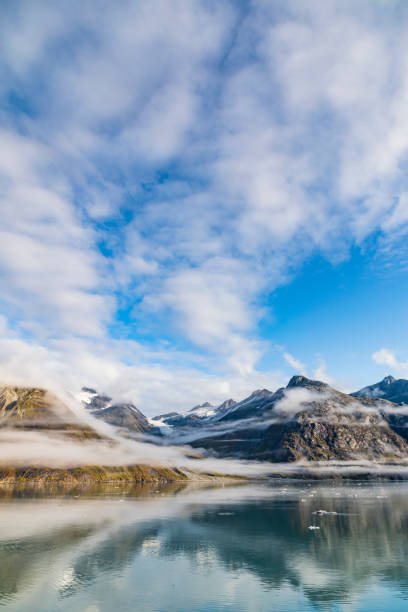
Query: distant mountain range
[306,420]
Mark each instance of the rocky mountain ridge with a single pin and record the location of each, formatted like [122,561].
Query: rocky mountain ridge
[305,421]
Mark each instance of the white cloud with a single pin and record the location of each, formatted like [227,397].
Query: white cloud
[212,309]
[388,357]
[399,215]
[296,364]
[156,382]
[46,252]
[297,399]
[281,129]
[322,374]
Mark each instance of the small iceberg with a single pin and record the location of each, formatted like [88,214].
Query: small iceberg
[313,527]
[324,513]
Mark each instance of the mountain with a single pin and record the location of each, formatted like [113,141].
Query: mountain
[35,409]
[389,389]
[203,410]
[195,417]
[251,406]
[208,415]
[42,439]
[307,420]
[126,416]
[123,415]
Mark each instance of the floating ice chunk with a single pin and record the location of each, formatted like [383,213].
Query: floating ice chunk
[303,499]
[313,527]
[324,512]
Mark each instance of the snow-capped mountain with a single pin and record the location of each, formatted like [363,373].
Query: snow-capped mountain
[194,417]
[92,400]
[389,388]
[203,410]
[124,415]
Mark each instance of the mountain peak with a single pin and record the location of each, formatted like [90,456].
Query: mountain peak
[201,406]
[261,393]
[388,380]
[202,410]
[227,404]
[303,381]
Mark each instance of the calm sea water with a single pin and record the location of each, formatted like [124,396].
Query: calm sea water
[208,549]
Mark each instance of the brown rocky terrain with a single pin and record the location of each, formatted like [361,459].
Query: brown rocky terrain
[35,409]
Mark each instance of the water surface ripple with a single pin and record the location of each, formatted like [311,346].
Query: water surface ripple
[282,546]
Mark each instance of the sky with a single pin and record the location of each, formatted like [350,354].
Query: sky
[202,198]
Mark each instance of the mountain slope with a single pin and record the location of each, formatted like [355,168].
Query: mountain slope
[258,402]
[126,416]
[34,409]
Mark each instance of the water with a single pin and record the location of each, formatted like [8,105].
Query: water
[205,550]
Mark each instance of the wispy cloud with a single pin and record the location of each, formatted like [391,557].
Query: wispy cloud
[389,358]
[322,374]
[296,364]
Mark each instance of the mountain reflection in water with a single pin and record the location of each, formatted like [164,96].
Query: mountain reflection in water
[205,549]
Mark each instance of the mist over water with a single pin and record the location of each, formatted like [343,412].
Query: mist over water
[184,548]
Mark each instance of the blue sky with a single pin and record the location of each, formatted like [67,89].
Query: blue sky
[200,198]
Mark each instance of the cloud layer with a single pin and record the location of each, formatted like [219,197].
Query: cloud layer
[165,166]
